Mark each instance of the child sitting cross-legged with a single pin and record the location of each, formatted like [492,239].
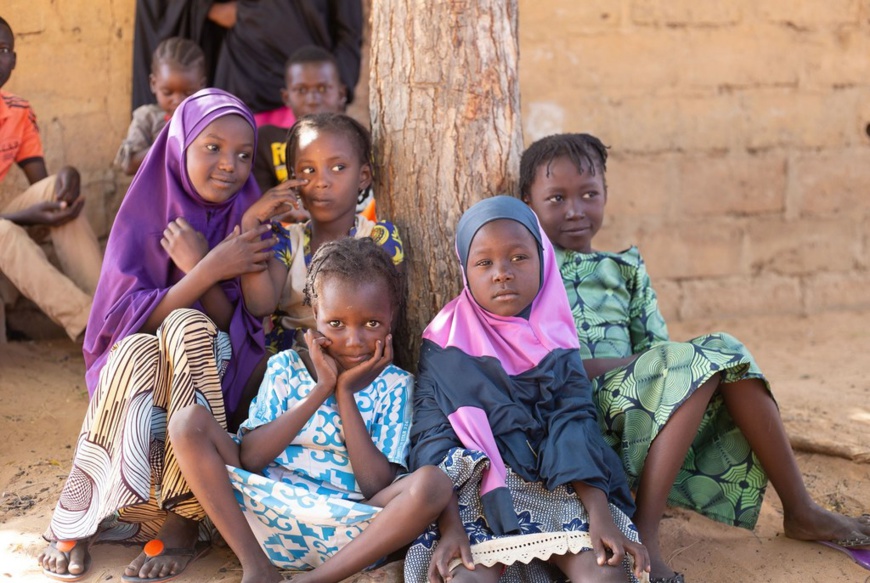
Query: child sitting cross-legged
[317,468]
[694,422]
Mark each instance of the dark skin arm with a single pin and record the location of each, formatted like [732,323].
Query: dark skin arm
[263,444]
[453,544]
[224,13]
[604,533]
[66,206]
[263,289]
[235,255]
[131,166]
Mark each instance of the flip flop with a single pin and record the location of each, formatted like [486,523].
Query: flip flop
[68,576]
[860,556]
[155,548]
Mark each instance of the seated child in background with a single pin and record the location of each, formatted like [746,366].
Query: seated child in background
[694,422]
[503,405]
[177,72]
[50,201]
[313,85]
[315,465]
[329,159]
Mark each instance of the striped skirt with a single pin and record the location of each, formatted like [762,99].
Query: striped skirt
[124,475]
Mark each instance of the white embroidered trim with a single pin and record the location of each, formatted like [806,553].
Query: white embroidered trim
[525,547]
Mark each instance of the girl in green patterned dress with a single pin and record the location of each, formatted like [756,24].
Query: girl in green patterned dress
[694,422]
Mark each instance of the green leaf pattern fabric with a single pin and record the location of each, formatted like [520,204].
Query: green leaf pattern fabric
[616,314]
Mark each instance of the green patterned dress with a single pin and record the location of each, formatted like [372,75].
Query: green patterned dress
[616,313]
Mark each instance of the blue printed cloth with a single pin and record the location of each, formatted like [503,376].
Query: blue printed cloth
[307,504]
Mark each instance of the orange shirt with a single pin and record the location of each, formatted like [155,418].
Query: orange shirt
[19,135]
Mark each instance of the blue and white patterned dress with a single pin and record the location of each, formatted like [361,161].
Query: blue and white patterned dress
[307,504]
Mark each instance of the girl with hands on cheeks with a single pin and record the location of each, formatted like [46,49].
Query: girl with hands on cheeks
[504,407]
[317,480]
[169,327]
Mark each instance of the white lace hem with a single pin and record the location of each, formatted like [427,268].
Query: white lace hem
[526,547]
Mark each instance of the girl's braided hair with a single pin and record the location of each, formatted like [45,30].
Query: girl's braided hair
[179,52]
[359,260]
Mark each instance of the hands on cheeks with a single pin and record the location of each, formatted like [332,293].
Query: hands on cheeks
[280,203]
[607,537]
[453,545]
[325,366]
[362,375]
[237,254]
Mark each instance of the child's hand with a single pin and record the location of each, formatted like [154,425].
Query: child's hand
[607,537]
[324,365]
[241,253]
[281,200]
[453,545]
[185,245]
[362,375]
[67,185]
[640,555]
[51,213]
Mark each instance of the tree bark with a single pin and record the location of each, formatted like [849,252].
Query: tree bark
[445,107]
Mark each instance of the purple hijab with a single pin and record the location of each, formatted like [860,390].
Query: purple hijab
[137,272]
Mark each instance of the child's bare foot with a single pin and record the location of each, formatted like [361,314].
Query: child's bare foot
[176,533]
[817,524]
[73,562]
[270,575]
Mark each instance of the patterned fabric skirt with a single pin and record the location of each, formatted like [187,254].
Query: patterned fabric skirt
[299,525]
[124,475]
[720,478]
[551,523]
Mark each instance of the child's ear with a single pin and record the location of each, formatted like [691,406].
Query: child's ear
[152,81]
[203,82]
[365,176]
[342,95]
[285,98]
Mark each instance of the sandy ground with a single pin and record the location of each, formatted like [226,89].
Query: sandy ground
[816,367]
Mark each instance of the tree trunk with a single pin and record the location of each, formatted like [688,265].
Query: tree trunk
[445,107]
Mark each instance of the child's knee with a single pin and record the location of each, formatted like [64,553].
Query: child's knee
[179,323]
[189,423]
[432,487]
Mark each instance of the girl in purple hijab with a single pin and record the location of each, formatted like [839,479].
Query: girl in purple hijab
[169,328]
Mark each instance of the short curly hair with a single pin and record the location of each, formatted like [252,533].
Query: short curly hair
[352,259]
[585,151]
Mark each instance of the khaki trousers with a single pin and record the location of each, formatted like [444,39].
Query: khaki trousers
[66,295]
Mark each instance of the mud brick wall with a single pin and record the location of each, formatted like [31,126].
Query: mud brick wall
[740,161]
[740,156]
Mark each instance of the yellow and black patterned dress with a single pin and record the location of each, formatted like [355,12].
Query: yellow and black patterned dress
[616,314]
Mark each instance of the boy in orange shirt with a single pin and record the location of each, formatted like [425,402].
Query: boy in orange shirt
[50,201]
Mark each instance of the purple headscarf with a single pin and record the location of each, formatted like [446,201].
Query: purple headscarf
[137,272]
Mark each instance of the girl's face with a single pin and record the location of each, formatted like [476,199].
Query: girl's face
[353,315]
[219,160]
[334,172]
[172,85]
[569,204]
[503,267]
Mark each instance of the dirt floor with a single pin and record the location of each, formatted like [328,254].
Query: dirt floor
[816,367]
